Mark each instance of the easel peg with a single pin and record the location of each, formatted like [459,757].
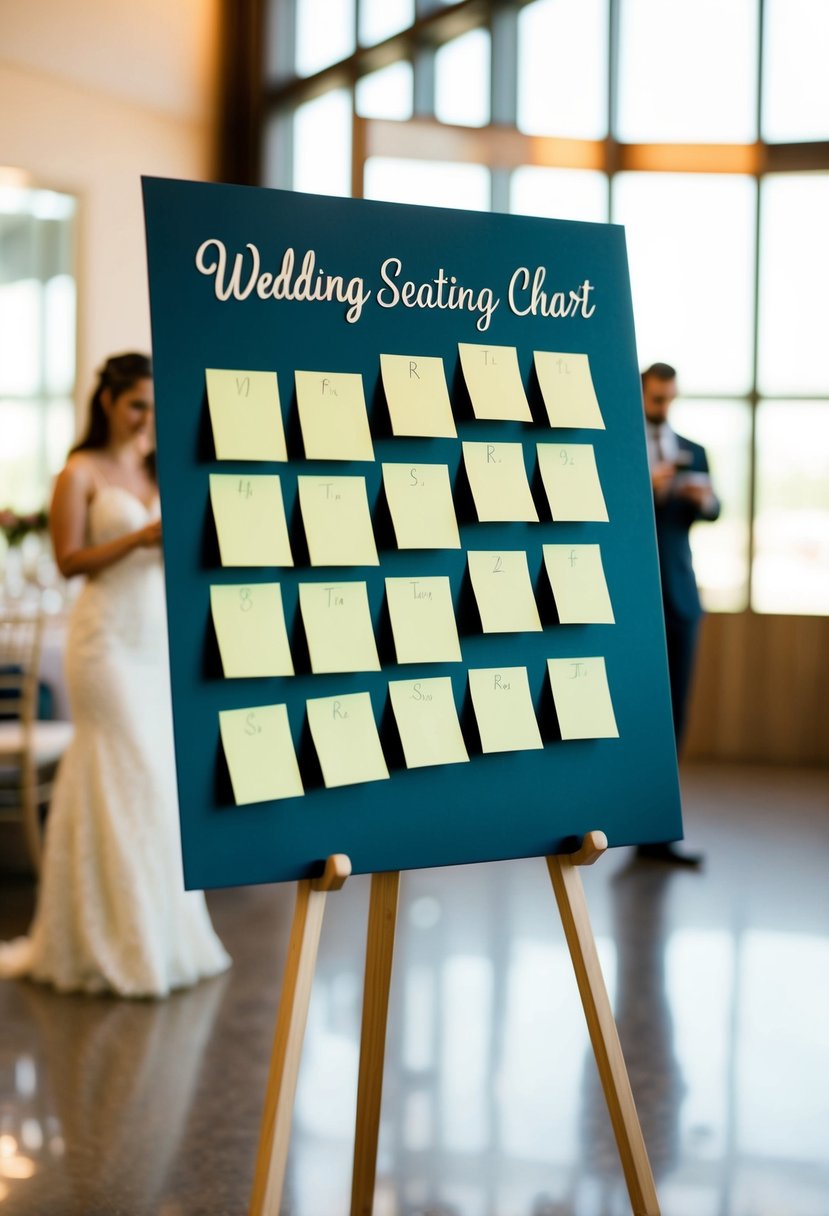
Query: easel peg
[337,870]
[592,847]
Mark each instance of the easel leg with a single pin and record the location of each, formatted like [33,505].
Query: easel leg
[275,1132]
[382,918]
[604,1036]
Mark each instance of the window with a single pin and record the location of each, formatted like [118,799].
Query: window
[795,99]
[562,194]
[659,116]
[562,74]
[37,342]
[462,80]
[429,183]
[688,71]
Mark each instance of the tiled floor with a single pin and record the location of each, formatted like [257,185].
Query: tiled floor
[491,1106]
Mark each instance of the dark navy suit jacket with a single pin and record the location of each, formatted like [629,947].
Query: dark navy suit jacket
[674,517]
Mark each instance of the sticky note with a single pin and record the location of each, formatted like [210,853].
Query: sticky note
[580,691]
[250,520]
[494,381]
[503,591]
[423,620]
[417,396]
[571,482]
[332,416]
[337,624]
[421,506]
[345,736]
[260,754]
[504,709]
[427,722]
[498,480]
[337,521]
[567,388]
[579,587]
[250,628]
[245,415]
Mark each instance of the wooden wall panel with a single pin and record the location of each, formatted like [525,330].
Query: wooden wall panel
[761,691]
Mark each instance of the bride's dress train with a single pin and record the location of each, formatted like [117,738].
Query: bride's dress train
[112,912]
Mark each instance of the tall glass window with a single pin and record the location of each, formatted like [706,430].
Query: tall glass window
[702,127]
[37,342]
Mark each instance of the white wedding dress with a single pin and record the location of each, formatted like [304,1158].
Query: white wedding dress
[112,912]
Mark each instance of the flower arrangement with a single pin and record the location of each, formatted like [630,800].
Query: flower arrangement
[16,527]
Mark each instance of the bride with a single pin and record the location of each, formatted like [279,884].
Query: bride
[112,912]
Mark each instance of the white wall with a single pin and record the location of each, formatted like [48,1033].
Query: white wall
[94,93]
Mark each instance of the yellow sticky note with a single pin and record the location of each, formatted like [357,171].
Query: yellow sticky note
[423,620]
[337,624]
[503,591]
[417,396]
[337,521]
[498,480]
[567,388]
[427,722]
[493,379]
[571,481]
[332,415]
[580,691]
[577,578]
[421,506]
[504,709]
[245,415]
[250,520]
[345,736]
[260,754]
[250,628]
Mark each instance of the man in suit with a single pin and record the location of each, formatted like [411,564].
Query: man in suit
[682,494]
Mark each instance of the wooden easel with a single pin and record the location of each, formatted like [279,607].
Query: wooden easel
[293,1012]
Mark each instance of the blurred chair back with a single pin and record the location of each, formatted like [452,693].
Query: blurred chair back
[29,748]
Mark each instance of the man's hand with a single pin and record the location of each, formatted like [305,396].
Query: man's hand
[662,475]
[698,495]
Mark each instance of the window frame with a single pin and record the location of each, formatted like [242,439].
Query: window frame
[503,148]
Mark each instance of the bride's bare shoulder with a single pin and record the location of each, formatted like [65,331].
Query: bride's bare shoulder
[80,474]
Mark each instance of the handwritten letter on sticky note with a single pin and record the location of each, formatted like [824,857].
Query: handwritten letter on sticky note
[423,620]
[250,520]
[504,709]
[577,578]
[571,482]
[498,480]
[332,415]
[427,722]
[580,691]
[337,624]
[503,591]
[250,629]
[245,415]
[346,739]
[337,521]
[421,506]
[260,754]
[567,388]
[417,396]
[493,380]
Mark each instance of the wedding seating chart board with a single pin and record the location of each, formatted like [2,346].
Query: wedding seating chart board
[412,586]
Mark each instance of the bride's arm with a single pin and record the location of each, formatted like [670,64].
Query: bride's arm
[67,523]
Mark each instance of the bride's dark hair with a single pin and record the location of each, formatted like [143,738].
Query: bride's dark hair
[119,374]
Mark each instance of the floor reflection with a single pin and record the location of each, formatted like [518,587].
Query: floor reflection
[102,1093]
[492,1106]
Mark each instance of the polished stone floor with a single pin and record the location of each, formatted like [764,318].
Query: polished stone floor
[491,1107]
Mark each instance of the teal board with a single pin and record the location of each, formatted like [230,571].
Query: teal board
[512,804]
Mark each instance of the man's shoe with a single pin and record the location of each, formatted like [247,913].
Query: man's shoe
[669,855]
